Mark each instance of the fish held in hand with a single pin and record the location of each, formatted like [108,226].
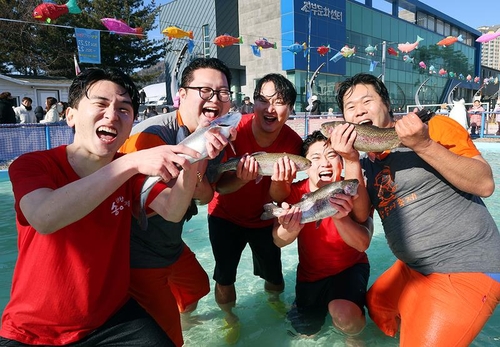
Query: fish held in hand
[316,205]
[266,163]
[196,141]
[370,138]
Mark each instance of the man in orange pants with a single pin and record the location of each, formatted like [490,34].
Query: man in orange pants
[166,278]
[446,282]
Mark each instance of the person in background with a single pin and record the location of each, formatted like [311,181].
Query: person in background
[443,110]
[39,113]
[234,212]
[333,269]
[445,283]
[247,106]
[71,280]
[51,113]
[165,109]
[150,111]
[7,114]
[316,105]
[475,117]
[24,112]
[497,111]
[61,109]
[166,277]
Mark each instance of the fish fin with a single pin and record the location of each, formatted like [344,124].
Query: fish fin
[258,179]
[232,146]
[73,7]
[256,153]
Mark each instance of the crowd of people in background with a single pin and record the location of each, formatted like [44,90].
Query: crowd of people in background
[93,276]
[53,111]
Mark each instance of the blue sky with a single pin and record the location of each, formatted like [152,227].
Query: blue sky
[474,13]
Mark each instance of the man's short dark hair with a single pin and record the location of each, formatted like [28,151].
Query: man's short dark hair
[205,63]
[81,84]
[366,79]
[284,88]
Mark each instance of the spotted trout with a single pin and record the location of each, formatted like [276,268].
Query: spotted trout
[316,205]
[266,163]
[196,141]
[370,138]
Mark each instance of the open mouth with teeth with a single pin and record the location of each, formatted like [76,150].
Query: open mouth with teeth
[366,122]
[106,134]
[325,175]
[270,119]
[210,113]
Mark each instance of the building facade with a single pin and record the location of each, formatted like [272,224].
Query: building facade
[338,27]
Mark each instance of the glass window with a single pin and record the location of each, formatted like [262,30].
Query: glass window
[447,29]
[206,40]
[431,22]
[421,19]
[440,27]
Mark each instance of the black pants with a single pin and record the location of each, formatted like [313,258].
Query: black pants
[130,326]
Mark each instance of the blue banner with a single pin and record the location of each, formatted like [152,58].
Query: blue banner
[88,42]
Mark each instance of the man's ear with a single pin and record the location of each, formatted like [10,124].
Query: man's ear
[70,112]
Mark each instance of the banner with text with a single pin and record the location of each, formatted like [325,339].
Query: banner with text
[89,45]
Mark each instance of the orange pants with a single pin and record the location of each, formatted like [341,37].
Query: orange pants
[164,292]
[434,310]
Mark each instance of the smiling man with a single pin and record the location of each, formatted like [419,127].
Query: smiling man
[73,208]
[445,283]
[234,213]
[166,277]
[333,269]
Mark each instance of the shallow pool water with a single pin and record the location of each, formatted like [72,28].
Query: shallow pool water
[260,324]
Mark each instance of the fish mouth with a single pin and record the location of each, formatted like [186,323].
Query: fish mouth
[106,134]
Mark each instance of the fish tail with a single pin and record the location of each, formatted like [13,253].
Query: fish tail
[139,31]
[73,7]
[190,34]
[270,211]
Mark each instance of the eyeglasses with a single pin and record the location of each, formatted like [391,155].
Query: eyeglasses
[207,93]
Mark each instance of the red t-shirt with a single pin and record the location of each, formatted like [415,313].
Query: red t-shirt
[244,206]
[322,251]
[68,283]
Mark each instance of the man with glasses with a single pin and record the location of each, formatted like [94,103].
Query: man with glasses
[234,213]
[166,278]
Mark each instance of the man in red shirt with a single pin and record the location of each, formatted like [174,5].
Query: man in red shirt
[234,213]
[73,208]
[333,269]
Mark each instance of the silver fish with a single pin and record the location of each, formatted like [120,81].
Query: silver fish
[369,137]
[196,141]
[315,205]
[266,163]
